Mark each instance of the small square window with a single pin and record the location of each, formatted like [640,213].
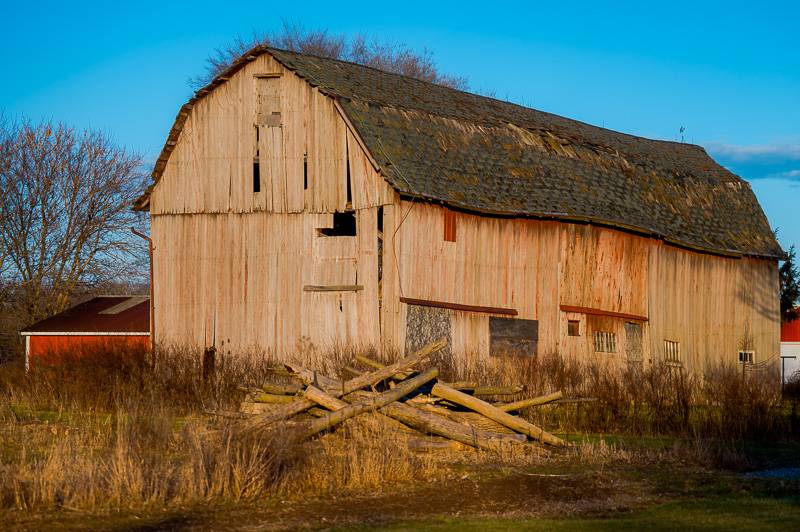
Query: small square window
[573,328]
[746,357]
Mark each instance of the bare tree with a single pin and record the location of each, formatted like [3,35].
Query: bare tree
[65,208]
[389,56]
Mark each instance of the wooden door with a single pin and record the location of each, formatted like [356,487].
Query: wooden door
[633,343]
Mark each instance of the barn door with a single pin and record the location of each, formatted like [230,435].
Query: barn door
[633,344]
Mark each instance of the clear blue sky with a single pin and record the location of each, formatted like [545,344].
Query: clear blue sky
[729,72]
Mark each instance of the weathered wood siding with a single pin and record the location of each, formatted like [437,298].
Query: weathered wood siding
[712,306]
[211,168]
[231,264]
[494,262]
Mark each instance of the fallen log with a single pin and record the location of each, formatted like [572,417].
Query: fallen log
[372,403]
[471,419]
[368,379]
[492,412]
[272,398]
[373,377]
[374,364]
[427,445]
[497,390]
[533,401]
[429,423]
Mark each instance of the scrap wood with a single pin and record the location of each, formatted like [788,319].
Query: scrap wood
[374,364]
[471,419]
[272,398]
[533,401]
[371,403]
[368,379]
[429,423]
[492,412]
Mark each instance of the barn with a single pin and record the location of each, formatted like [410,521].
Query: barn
[100,325]
[303,203]
[790,349]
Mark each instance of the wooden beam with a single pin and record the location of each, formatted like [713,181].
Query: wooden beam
[342,414]
[333,288]
[458,306]
[495,414]
[282,412]
[525,403]
[599,312]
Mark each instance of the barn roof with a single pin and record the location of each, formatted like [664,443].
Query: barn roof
[488,156]
[102,314]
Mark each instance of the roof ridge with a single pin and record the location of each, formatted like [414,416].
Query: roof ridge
[268,49]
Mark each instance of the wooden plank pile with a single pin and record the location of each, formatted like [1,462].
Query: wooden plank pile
[455,411]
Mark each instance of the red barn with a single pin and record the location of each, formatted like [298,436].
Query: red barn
[101,322]
[790,349]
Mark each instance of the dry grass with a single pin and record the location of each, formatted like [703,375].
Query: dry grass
[117,434]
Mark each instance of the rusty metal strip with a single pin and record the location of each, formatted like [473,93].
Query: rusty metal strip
[600,312]
[459,306]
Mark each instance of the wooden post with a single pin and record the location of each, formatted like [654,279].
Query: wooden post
[492,412]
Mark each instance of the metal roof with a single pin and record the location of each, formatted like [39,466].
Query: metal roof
[102,314]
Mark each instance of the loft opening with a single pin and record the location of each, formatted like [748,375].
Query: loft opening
[344,224]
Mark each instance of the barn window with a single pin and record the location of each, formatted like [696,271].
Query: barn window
[746,357]
[672,352]
[509,336]
[605,342]
[449,225]
[573,328]
[305,171]
[344,224]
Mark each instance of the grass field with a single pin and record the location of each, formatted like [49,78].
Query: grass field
[136,450]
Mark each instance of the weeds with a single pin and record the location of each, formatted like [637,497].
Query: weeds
[115,432]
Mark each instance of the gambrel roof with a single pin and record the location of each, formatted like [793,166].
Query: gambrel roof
[483,155]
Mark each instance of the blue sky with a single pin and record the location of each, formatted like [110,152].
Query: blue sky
[728,72]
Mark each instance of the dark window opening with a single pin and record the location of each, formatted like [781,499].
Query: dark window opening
[305,171]
[511,336]
[573,328]
[349,187]
[256,177]
[380,219]
[344,224]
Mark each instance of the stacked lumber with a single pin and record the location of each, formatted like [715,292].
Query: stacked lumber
[315,403]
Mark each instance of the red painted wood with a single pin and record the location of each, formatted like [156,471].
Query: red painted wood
[790,332]
[56,349]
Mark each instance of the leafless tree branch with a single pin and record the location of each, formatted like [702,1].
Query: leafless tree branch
[389,56]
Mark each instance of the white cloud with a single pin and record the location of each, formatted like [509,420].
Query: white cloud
[756,153]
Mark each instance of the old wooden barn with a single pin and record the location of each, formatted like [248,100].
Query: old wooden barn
[305,202]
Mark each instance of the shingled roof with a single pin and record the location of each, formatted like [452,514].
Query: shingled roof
[484,155]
